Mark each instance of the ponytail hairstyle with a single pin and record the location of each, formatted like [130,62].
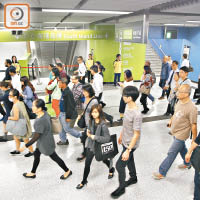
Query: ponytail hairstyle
[16,93]
[39,103]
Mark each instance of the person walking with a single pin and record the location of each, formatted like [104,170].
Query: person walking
[171,84]
[182,123]
[193,146]
[81,69]
[129,139]
[56,91]
[89,63]
[164,76]
[51,66]
[96,132]
[15,79]
[145,88]
[8,63]
[185,61]
[117,69]
[90,100]
[5,86]
[62,71]
[27,91]
[128,82]
[68,113]
[19,112]
[45,141]
[15,63]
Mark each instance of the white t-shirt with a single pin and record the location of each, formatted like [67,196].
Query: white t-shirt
[82,69]
[16,83]
[185,63]
[97,84]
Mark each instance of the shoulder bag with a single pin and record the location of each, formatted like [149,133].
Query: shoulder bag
[144,90]
[81,122]
[56,126]
[104,151]
[18,127]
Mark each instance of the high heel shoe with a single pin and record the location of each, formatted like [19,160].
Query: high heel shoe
[111,174]
[80,186]
[32,177]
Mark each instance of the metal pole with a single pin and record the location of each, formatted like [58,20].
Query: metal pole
[145,27]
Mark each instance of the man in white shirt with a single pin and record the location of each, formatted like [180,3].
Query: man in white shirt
[186,62]
[15,79]
[97,82]
[170,83]
[81,69]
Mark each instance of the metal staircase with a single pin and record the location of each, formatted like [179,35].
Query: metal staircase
[153,57]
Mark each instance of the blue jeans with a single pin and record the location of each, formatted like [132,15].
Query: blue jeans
[151,97]
[67,128]
[197,186]
[178,146]
[117,78]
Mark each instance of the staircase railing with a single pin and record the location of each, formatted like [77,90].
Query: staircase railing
[159,47]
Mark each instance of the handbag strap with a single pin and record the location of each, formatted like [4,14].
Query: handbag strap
[88,105]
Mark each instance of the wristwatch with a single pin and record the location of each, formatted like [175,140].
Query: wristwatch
[129,150]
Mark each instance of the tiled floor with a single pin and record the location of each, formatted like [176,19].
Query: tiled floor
[153,148]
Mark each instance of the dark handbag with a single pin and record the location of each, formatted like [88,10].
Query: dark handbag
[30,113]
[195,159]
[81,122]
[107,150]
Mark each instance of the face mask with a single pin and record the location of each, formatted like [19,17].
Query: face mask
[11,100]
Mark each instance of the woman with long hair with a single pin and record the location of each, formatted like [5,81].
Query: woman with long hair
[90,100]
[15,63]
[97,131]
[27,91]
[19,112]
[56,91]
[146,85]
[45,140]
[117,69]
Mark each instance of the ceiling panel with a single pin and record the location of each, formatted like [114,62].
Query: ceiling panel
[124,5]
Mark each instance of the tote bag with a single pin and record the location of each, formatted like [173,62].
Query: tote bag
[56,126]
[107,150]
[144,90]
[18,127]
[195,159]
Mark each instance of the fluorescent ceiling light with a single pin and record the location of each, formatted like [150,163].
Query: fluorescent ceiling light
[66,22]
[58,27]
[87,11]
[174,24]
[193,21]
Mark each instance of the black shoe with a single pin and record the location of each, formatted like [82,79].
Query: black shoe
[167,114]
[63,177]
[80,186]
[197,103]
[120,120]
[25,175]
[29,154]
[111,173]
[102,104]
[117,193]
[131,181]
[15,152]
[63,143]
[3,139]
[82,158]
[111,121]
[145,111]
[48,103]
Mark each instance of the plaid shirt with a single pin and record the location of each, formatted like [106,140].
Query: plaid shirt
[78,94]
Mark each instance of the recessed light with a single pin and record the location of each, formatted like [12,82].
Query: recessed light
[174,24]
[87,11]
[193,21]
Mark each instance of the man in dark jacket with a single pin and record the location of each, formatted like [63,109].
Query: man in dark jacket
[164,75]
[8,63]
[68,113]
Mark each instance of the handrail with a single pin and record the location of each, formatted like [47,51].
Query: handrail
[159,47]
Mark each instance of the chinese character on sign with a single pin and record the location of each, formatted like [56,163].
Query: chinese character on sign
[16,16]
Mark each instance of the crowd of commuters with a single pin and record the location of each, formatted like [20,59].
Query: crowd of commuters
[84,101]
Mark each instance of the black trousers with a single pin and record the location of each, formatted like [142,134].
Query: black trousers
[82,80]
[89,76]
[143,101]
[53,156]
[121,168]
[88,162]
[2,111]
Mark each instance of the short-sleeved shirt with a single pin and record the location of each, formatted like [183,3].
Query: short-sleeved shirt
[46,142]
[185,115]
[185,82]
[132,122]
